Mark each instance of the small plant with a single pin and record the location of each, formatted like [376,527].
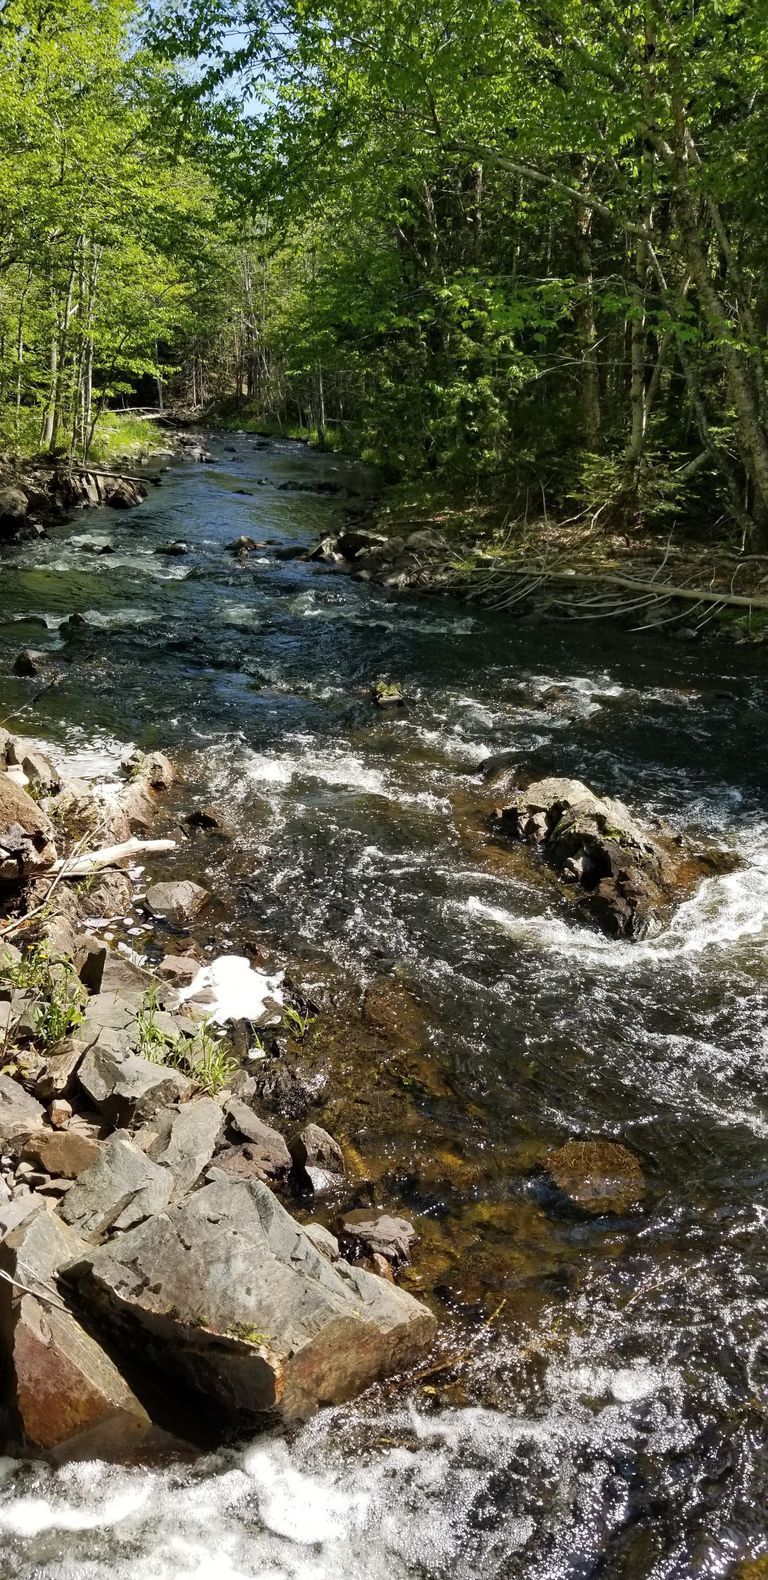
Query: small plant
[297,1023]
[208,1061]
[58,985]
[154,1043]
[257,1049]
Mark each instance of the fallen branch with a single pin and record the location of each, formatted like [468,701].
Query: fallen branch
[615,579]
[115,477]
[110,856]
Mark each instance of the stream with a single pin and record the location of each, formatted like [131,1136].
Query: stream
[609,1414]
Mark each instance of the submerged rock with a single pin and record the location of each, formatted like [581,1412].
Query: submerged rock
[64,1393]
[597,1176]
[227,1293]
[625,877]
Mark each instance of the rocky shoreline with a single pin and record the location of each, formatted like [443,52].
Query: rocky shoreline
[634,590]
[42,492]
[144,1254]
[156,1287]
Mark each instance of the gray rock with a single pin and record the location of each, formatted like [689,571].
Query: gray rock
[14,1212]
[27,847]
[13,509]
[126,1088]
[323,1240]
[118,1191]
[176,546]
[40,771]
[178,903]
[61,1066]
[185,1141]
[20,1114]
[374,1232]
[65,1395]
[227,1293]
[90,957]
[318,1161]
[267,1155]
[121,977]
[425,541]
[357,541]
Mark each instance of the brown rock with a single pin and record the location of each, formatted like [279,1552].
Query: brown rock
[26,835]
[597,1176]
[264,1157]
[60,1152]
[65,1394]
[180,970]
[60,1113]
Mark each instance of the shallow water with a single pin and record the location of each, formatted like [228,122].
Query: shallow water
[610,1416]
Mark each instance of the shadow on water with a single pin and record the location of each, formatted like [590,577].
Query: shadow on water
[609,1419]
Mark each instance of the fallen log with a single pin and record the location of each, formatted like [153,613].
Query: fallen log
[109,856]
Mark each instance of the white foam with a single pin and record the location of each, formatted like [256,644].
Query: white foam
[239,992]
[724,910]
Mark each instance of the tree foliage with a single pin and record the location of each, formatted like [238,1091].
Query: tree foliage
[514,241]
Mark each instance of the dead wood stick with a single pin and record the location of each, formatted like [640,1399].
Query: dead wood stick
[109,856]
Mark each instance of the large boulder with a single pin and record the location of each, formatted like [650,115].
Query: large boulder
[227,1293]
[27,846]
[14,506]
[126,1088]
[120,1189]
[64,1395]
[623,876]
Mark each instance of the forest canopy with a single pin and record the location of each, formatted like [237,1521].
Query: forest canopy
[503,249]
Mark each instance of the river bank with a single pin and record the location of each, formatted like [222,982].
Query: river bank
[467,1025]
[39,492]
[690,592]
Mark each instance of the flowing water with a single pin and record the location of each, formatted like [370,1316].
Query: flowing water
[608,1414]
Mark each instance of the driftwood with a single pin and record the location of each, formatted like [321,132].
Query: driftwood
[109,856]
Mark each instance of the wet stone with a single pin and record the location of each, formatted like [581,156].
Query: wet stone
[597,1176]
[368,1231]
